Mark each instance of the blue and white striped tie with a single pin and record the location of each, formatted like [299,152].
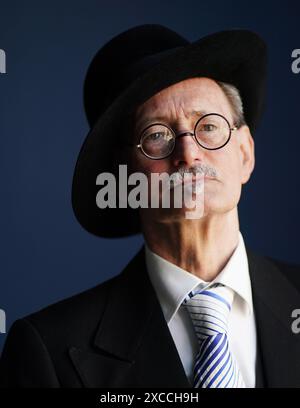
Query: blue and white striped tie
[215,366]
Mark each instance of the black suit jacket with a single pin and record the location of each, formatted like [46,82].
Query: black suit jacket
[115,335]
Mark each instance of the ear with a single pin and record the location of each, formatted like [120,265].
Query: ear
[247,153]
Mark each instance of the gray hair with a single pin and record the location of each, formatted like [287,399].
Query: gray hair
[235,100]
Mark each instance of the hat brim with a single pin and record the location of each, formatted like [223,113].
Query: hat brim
[234,56]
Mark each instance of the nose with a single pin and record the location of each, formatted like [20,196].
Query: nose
[187,151]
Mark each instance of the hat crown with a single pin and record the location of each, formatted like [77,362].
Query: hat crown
[115,64]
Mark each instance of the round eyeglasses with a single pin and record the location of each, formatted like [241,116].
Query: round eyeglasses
[212,131]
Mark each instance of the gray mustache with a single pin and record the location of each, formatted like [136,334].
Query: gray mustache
[201,169]
[198,169]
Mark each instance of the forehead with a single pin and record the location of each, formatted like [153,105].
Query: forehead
[184,99]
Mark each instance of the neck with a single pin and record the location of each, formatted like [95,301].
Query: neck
[201,247]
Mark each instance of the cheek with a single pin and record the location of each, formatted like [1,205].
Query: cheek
[140,163]
[228,167]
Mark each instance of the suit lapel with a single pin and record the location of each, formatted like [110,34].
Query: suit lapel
[274,299]
[135,346]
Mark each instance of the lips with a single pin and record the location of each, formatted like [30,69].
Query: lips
[188,181]
[188,178]
[193,179]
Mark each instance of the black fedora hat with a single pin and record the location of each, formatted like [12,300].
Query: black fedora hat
[131,68]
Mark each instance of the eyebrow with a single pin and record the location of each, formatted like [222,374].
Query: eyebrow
[140,124]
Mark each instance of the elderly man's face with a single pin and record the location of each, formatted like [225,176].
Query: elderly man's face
[233,163]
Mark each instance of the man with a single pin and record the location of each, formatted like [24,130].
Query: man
[195,307]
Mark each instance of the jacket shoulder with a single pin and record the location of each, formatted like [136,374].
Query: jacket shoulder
[37,344]
[83,308]
[290,270]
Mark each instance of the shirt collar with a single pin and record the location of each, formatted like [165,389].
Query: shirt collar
[173,283]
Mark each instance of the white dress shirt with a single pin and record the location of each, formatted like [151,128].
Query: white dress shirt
[172,283]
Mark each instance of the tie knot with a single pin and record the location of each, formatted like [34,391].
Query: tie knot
[209,309]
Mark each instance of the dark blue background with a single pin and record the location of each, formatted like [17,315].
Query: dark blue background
[45,255]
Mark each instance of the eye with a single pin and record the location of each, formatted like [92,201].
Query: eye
[155,136]
[208,127]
